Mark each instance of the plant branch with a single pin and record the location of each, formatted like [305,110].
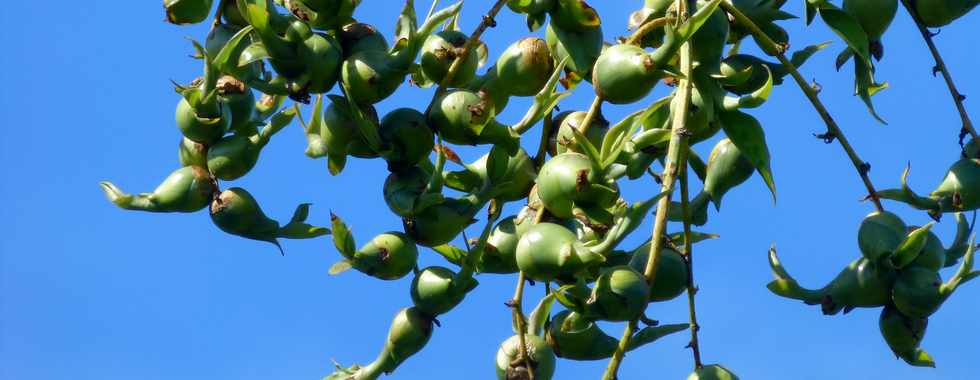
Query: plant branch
[695,344]
[941,67]
[488,22]
[677,145]
[833,130]
[646,28]
[516,305]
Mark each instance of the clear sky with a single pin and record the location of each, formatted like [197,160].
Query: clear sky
[88,291]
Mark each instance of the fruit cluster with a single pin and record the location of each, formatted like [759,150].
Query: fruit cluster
[574,219]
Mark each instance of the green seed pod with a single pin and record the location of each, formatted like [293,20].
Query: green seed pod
[409,333]
[917,292]
[933,254]
[550,251]
[408,137]
[323,14]
[435,290]
[525,67]
[903,335]
[182,12]
[880,233]
[712,372]
[202,127]
[438,54]
[531,7]
[960,189]
[439,224]
[620,294]
[501,251]
[625,73]
[403,188]
[727,168]
[582,49]
[564,140]
[510,366]
[358,37]
[670,281]
[240,101]
[465,118]
[936,13]
[187,189]
[564,179]
[389,256]
[192,153]
[574,15]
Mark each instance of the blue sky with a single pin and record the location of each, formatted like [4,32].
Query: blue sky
[88,291]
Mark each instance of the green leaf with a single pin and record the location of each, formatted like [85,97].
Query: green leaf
[865,86]
[747,135]
[589,149]
[753,100]
[343,239]
[697,164]
[224,59]
[340,267]
[453,254]
[910,248]
[302,212]
[539,316]
[696,237]
[407,23]
[848,29]
[653,333]
[906,195]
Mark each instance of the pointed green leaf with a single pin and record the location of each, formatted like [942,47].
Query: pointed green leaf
[848,29]
[343,239]
[451,253]
[747,134]
[340,267]
[539,316]
[910,248]
[653,333]
[753,100]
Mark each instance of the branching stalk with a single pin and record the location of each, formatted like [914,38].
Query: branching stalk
[516,305]
[488,21]
[941,68]
[833,130]
[677,145]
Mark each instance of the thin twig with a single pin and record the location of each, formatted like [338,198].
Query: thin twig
[689,260]
[516,304]
[941,67]
[432,9]
[677,145]
[833,130]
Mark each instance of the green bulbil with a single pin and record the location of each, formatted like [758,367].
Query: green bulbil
[388,256]
[436,291]
[187,189]
[860,284]
[441,223]
[465,118]
[565,137]
[620,294]
[240,102]
[206,125]
[880,234]
[582,49]
[960,189]
[712,372]
[564,179]
[574,15]
[550,251]
[542,358]
[182,12]
[236,212]
[192,153]
[727,168]
[917,292]
[501,251]
[936,13]
[438,54]
[408,137]
[625,73]
[670,280]
[903,335]
[525,67]
[234,156]
[359,37]
[403,188]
